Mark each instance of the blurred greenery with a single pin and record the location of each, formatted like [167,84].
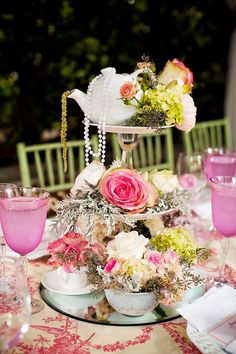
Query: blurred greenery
[50,46]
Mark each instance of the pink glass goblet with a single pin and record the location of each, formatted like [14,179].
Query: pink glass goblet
[211,152]
[23,213]
[4,186]
[223,203]
[219,163]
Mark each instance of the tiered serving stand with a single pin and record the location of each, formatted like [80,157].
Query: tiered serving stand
[79,306]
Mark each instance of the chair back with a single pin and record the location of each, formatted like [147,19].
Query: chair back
[214,133]
[154,151]
[42,164]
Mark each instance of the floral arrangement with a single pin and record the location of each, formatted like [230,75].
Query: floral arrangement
[163,99]
[71,251]
[132,267]
[118,195]
[181,240]
[141,99]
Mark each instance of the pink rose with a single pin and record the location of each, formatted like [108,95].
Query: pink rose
[113,266]
[127,90]
[176,71]
[155,257]
[188,181]
[188,72]
[125,189]
[189,114]
[57,246]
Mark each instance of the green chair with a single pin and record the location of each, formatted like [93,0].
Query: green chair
[213,133]
[154,151]
[42,164]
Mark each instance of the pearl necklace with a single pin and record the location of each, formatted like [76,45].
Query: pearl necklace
[101,119]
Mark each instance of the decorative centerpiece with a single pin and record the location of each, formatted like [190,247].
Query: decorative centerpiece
[140,99]
[134,275]
[69,255]
[136,278]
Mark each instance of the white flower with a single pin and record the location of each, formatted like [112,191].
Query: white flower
[155,225]
[189,113]
[127,245]
[164,181]
[91,174]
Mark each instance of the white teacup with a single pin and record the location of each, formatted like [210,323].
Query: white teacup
[72,281]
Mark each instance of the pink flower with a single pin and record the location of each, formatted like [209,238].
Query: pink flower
[96,249]
[170,257]
[176,71]
[155,257]
[57,246]
[188,72]
[70,266]
[76,239]
[127,90]
[189,114]
[125,189]
[70,251]
[188,181]
[113,266]
[55,261]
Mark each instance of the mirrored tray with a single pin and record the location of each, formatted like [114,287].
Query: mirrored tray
[89,307]
[130,130]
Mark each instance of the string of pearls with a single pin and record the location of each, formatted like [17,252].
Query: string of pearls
[103,108]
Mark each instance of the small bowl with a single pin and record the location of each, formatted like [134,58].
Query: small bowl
[132,304]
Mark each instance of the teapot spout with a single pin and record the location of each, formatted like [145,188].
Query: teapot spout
[80,97]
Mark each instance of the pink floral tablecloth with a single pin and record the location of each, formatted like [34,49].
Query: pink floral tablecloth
[51,332]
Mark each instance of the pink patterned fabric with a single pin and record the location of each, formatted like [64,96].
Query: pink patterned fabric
[52,333]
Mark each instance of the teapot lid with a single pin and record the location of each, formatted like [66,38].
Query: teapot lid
[108,70]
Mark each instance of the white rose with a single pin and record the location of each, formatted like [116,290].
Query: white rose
[189,113]
[91,174]
[127,245]
[164,181]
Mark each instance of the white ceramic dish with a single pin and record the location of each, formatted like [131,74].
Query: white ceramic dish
[203,342]
[50,282]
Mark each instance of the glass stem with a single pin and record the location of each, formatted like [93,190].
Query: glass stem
[126,159]
[224,256]
[2,258]
[127,143]
[24,262]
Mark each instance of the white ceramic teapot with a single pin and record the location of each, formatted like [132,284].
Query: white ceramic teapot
[103,99]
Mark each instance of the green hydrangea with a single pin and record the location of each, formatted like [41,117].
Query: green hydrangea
[180,240]
[164,100]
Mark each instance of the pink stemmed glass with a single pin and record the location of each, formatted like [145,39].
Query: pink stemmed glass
[223,203]
[23,213]
[219,163]
[4,186]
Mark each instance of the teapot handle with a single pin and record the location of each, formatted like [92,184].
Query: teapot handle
[136,73]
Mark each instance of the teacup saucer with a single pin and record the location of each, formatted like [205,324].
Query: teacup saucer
[50,282]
